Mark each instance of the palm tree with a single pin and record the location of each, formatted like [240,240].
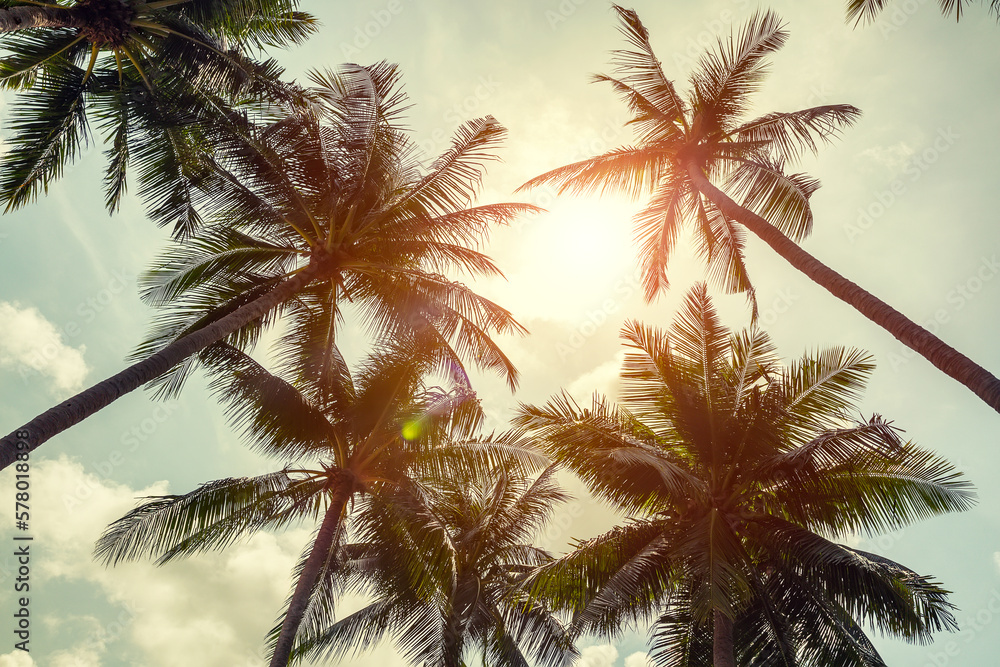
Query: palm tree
[143,71]
[737,474]
[866,10]
[443,570]
[687,146]
[303,214]
[364,438]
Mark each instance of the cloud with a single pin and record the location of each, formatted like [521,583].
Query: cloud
[996,558]
[893,157]
[17,658]
[603,379]
[603,655]
[89,656]
[217,606]
[638,660]
[31,344]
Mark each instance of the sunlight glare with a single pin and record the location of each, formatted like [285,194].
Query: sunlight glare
[573,257]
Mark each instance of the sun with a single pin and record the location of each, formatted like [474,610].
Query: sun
[572,257]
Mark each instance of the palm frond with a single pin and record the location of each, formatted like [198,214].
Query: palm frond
[787,134]
[641,71]
[275,418]
[630,171]
[822,386]
[455,176]
[781,199]
[49,130]
[727,76]
[657,228]
[864,11]
[211,517]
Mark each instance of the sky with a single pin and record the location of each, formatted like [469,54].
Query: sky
[907,210]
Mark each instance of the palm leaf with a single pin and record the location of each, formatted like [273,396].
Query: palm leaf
[211,517]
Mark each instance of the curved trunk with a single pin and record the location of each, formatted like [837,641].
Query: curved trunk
[22,18]
[311,571]
[952,362]
[74,410]
[723,651]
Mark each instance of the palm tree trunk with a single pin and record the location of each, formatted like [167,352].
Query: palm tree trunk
[952,362]
[22,18]
[454,627]
[343,488]
[723,651]
[74,410]
[452,648]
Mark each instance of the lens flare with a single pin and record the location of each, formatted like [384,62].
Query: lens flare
[412,429]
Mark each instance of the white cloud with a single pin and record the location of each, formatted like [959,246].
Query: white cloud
[17,658]
[217,606]
[893,157]
[602,379]
[638,660]
[31,344]
[604,655]
[89,656]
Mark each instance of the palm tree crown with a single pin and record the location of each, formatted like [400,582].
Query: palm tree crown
[142,71]
[738,474]
[443,569]
[316,208]
[339,189]
[369,437]
[707,129]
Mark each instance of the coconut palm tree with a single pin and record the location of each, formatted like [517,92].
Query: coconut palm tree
[707,166]
[318,209]
[866,10]
[738,475]
[143,71]
[442,570]
[368,437]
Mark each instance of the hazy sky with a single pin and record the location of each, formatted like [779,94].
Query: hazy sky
[907,210]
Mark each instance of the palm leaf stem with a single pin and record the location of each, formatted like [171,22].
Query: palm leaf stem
[138,68]
[94,51]
[38,63]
